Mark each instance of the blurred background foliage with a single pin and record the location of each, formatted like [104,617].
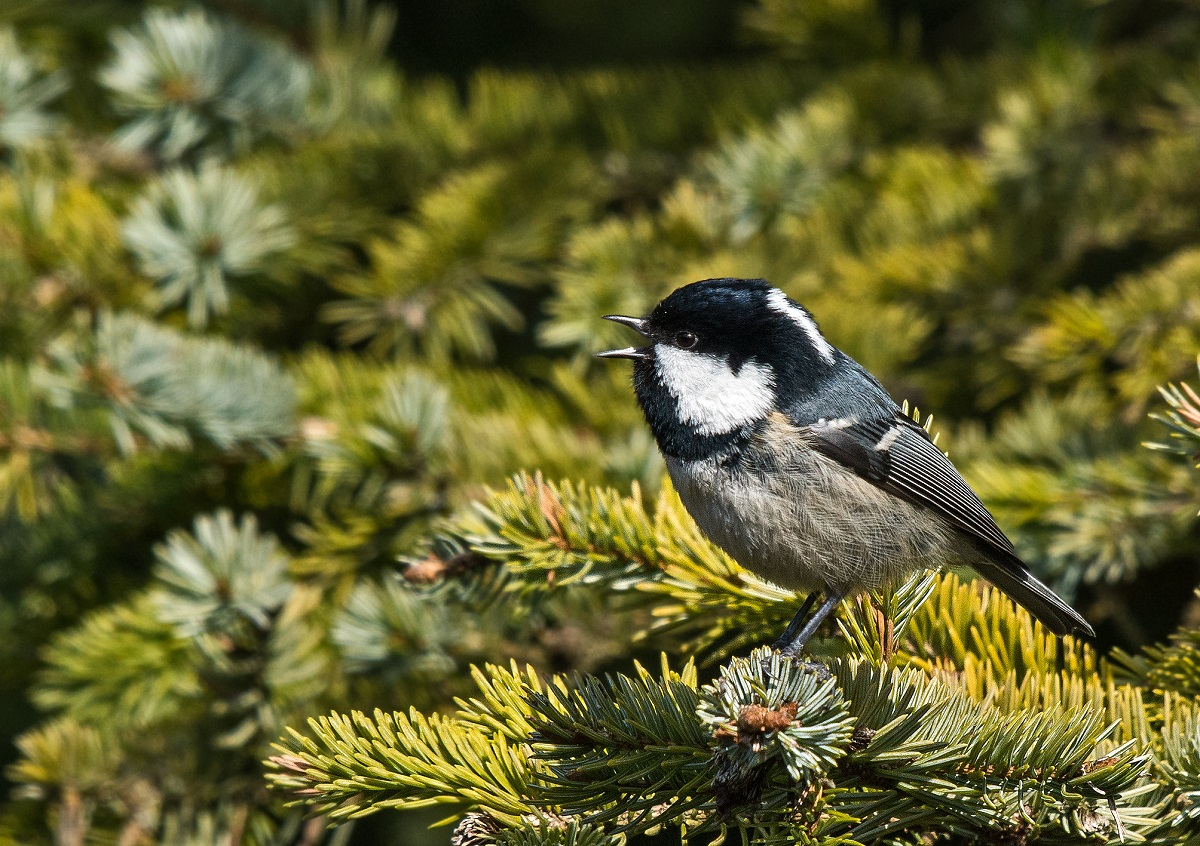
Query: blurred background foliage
[285,286]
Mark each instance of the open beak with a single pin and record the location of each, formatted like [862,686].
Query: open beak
[637,324]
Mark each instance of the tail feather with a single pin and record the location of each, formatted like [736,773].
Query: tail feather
[1014,579]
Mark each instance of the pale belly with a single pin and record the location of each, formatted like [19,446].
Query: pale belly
[812,524]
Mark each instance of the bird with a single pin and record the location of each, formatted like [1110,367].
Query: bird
[792,458]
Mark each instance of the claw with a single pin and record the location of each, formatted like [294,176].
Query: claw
[815,667]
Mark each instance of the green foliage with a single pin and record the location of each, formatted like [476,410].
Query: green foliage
[194,233]
[146,668]
[824,30]
[387,630]
[551,535]
[791,753]
[1183,419]
[157,385]
[810,742]
[997,724]
[190,81]
[255,269]
[785,168]
[222,577]
[436,283]
[182,682]
[23,94]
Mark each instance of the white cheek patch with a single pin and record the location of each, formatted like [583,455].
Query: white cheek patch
[709,395]
[778,302]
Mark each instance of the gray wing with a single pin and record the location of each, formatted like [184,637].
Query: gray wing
[897,455]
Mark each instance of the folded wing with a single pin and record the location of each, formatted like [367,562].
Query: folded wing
[897,455]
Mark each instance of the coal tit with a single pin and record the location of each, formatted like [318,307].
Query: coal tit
[793,458]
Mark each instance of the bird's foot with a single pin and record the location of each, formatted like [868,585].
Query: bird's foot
[815,667]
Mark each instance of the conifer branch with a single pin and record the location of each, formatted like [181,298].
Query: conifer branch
[158,386]
[1183,420]
[190,81]
[24,92]
[860,751]
[553,535]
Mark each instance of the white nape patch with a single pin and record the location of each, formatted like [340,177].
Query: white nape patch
[889,438]
[709,395]
[778,302]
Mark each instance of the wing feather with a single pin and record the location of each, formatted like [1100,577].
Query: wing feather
[897,455]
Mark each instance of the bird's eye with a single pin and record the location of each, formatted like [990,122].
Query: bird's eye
[686,340]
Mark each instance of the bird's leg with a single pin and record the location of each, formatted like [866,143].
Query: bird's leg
[792,642]
[797,621]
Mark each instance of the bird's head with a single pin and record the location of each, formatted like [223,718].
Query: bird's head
[722,354]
